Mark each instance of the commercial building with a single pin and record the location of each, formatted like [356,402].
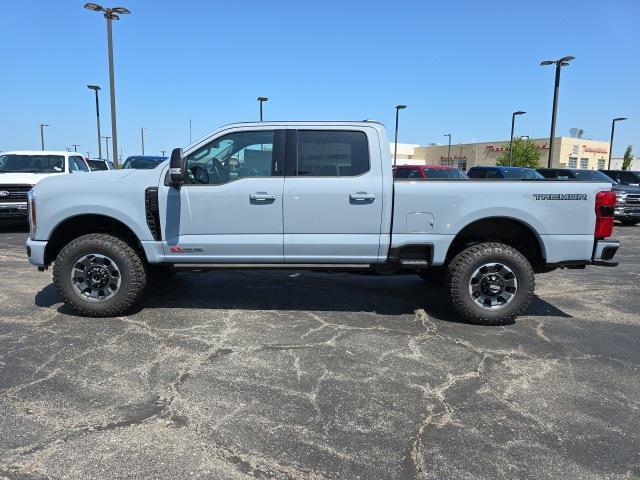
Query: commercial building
[568,152]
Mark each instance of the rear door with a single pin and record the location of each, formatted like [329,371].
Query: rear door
[332,196]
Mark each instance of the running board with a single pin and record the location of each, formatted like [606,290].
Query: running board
[272,266]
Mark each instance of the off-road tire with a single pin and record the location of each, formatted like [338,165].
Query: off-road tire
[462,267]
[132,269]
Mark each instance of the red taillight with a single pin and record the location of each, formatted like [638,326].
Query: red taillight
[605,203]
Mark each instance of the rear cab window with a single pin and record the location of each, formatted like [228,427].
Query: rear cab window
[332,153]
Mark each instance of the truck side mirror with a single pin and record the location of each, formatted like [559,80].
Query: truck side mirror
[176,168]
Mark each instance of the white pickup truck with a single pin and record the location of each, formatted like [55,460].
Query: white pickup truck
[21,170]
[311,195]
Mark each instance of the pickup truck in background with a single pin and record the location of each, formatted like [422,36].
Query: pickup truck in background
[627,207]
[21,170]
[310,195]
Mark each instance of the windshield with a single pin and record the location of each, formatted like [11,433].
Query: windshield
[591,175]
[443,173]
[144,163]
[31,163]
[522,173]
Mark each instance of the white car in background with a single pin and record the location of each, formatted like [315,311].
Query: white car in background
[21,170]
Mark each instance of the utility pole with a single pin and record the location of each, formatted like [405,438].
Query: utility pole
[563,62]
[395,141]
[261,100]
[95,88]
[110,14]
[106,143]
[142,136]
[449,149]
[75,146]
[613,129]
[513,123]
[42,125]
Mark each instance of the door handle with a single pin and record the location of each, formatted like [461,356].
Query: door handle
[362,197]
[261,197]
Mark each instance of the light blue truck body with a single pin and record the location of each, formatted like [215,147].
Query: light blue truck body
[288,219]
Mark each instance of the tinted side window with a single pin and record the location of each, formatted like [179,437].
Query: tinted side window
[627,178]
[476,173]
[402,172]
[334,153]
[494,174]
[82,165]
[231,157]
[414,173]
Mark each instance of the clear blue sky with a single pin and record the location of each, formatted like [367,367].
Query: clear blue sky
[460,66]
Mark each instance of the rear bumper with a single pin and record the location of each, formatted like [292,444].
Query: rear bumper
[13,209]
[35,252]
[604,251]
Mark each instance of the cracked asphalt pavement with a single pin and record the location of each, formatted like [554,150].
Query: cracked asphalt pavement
[302,375]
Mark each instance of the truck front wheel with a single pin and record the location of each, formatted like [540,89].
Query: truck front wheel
[99,275]
[490,283]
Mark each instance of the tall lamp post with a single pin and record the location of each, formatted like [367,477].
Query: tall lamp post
[142,137]
[513,123]
[261,100]
[449,149]
[95,88]
[110,14]
[563,62]
[42,125]
[613,128]
[395,141]
[106,144]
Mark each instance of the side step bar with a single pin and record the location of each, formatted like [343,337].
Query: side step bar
[272,266]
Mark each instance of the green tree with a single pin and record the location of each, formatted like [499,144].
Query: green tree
[628,158]
[525,154]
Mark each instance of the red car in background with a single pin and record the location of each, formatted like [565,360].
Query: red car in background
[427,171]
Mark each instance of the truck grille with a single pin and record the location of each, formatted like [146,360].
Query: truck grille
[633,199]
[152,211]
[14,193]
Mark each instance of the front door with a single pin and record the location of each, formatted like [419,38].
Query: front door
[230,206]
[332,196]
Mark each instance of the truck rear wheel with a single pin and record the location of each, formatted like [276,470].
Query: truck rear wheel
[99,275]
[490,283]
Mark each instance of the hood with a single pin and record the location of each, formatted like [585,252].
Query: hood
[24,178]
[625,188]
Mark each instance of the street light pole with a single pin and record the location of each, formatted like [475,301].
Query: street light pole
[449,149]
[106,144]
[261,100]
[110,14]
[563,62]
[395,141]
[513,122]
[142,136]
[95,88]
[613,128]
[42,125]
[75,146]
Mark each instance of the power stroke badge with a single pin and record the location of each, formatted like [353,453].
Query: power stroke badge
[560,196]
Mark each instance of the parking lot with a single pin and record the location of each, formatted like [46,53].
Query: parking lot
[281,374]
